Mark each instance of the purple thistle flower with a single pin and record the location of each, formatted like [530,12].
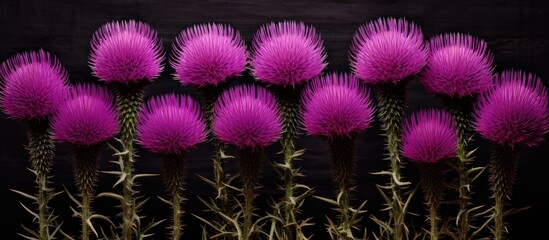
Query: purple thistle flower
[515,112]
[208,54]
[88,117]
[459,65]
[34,85]
[388,50]
[429,136]
[287,53]
[247,117]
[126,52]
[171,124]
[336,105]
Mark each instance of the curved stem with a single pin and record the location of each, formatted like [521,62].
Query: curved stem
[503,170]
[41,152]
[173,169]
[85,176]
[391,103]
[460,109]
[250,160]
[342,151]
[129,98]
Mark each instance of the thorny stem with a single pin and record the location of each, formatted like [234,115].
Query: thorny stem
[503,170]
[85,170]
[341,149]
[210,94]
[41,152]
[461,112]
[174,179]
[432,183]
[288,101]
[250,160]
[128,100]
[391,103]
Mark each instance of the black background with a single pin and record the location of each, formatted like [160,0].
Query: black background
[515,31]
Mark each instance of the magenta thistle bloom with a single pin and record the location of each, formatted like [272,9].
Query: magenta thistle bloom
[126,52]
[336,105]
[208,54]
[429,136]
[287,53]
[34,85]
[387,51]
[87,118]
[515,112]
[171,124]
[460,65]
[247,117]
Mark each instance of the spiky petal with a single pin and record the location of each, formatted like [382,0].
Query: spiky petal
[459,65]
[247,116]
[33,86]
[515,112]
[429,136]
[87,118]
[171,124]
[387,50]
[126,52]
[208,54]
[287,53]
[336,105]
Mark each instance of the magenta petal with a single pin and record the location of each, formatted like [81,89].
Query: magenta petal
[34,85]
[429,136]
[88,117]
[247,117]
[336,105]
[170,124]
[287,53]
[515,112]
[125,52]
[208,54]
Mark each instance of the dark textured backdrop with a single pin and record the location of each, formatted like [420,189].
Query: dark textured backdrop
[515,32]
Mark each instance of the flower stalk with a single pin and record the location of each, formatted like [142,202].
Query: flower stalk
[173,173]
[391,104]
[502,168]
[128,100]
[41,151]
[432,184]
[250,161]
[85,169]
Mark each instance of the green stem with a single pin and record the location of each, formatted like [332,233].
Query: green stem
[210,94]
[85,170]
[250,160]
[503,170]
[128,100]
[288,102]
[432,183]
[391,103]
[342,151]
[174,178]
[41,152]
[461,109]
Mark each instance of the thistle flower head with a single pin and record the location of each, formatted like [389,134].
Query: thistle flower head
[515,112]
[170,124]
[429,136]
[247,117]
[287,53]
[88,117]
[336,105]
[459,65]
[33,85]
[208,54]
[126,52]
[387,51]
